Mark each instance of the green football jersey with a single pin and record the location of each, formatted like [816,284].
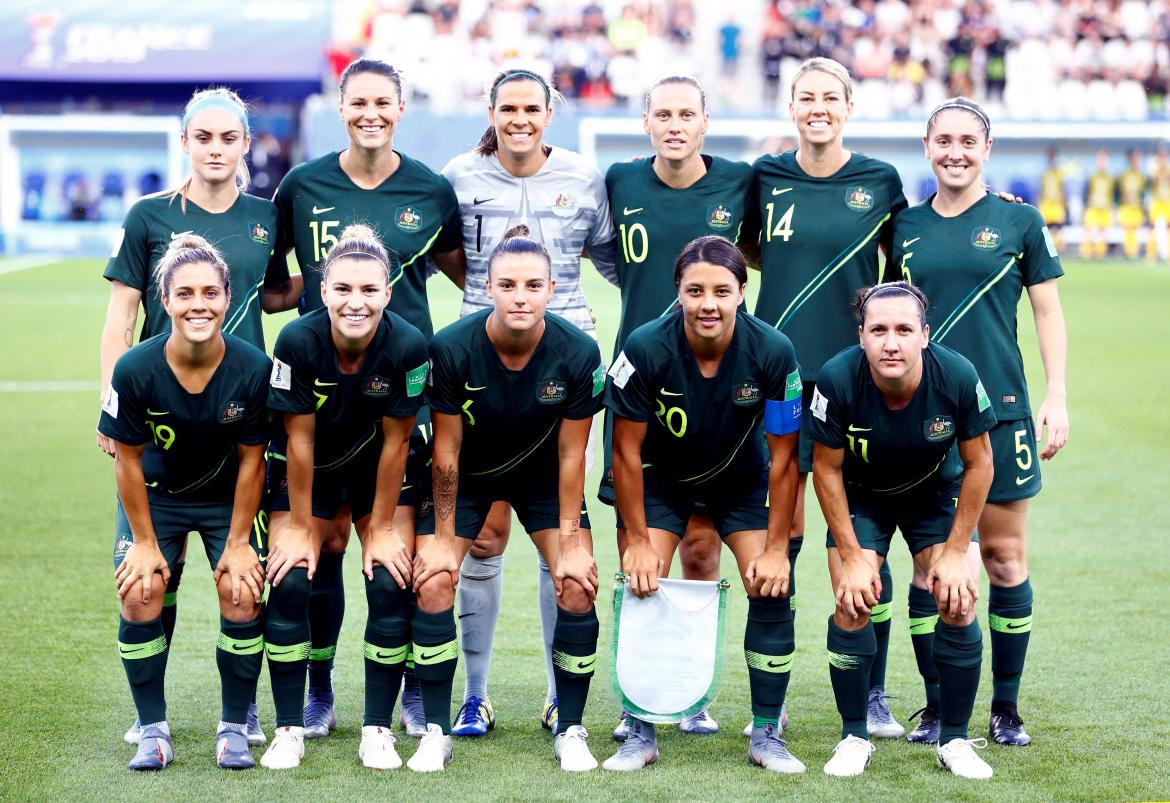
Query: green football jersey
[413,212]
[905,453]
[654,222]
[244,235]
[349,408]
[973,268]
[511,419]
[819,242]
[191,438]
[703,429]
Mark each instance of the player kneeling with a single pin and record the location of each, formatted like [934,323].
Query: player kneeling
[886,418]
[692,395]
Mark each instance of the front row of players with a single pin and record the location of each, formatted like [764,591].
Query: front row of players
[188,414]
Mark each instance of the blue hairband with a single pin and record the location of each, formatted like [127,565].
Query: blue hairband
[217,100]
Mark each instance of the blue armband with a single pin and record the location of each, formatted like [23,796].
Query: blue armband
[782,417]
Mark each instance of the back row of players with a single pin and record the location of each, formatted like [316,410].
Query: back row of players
[814,219]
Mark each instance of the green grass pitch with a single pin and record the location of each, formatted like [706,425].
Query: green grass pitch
[1094,693]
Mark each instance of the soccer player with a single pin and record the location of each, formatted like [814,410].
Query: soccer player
[1158,246]
[1053,201]
[211,203]
[513,178]
[693,394]
[514,392]
[822,212]
[1131,202]
[349,380]
[414,214]
[660,204]
[974,255]
[886,418]
[1099,195]
[185,411]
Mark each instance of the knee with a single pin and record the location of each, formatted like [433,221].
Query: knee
[133,609]
[700,556]
[336,537]
[1005,561]
[247,609]
[960,620]
[289,601]
[574,598]
[436,594]
[848,623]
[490,542]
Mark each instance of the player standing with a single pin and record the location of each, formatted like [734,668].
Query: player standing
[1158,246]
[349,380]
[693,394]
[414,214]
[887,417]
[974,255]
[212,204]
[513,178]
[492,369]
[185,411]
[823,212]
[1099,197]
[1053,204]
[1131,203]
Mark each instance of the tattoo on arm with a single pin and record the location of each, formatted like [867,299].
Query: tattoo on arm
[446,482]
[128,336]
[573,525]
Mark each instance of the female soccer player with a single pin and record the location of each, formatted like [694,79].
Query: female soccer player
[692,394]
[349,380]
[885,418]
[415,215]
[660,204]
[514,178]
[186,414]
[513,363]
[211,203]
[823,212]
[973,255]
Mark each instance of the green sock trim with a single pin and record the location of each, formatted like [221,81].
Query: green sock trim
[410,658]
[287,653]
[1003,624]
[149,649]
[575,664]
[921,626]
[436,654]
[763,722]
[323,653]
[845,662]
[881,612]
[170,599]
[778,664]
[386,655]
[792,603]
[237,646]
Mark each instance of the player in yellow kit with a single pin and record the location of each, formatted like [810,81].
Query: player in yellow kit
[1053,200]
[1158,245]
[1131,191]
[1098,209]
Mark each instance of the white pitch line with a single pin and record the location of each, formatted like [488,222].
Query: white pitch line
[28,262]
[49,387]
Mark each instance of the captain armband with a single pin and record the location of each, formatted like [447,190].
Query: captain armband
[782,417]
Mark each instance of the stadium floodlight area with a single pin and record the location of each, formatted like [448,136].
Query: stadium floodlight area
[67,180]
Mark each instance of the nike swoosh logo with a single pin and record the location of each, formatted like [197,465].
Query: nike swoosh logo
[321,384]
[1014,626]
[586,664]
[282,652]
[774,665]
[465,615]
[152,412]
[131,652]
[180,234]
[666,392]
[628,211]
[779,191]
[238,648]
[322,210]
[908,243]
[1022,480]
[385,654]
[424,657]
[478,201]
[467,386]
[860,429]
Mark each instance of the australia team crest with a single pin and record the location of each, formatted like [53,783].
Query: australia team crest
[259,234]
[719,217]
[408,219]
[859,199]
[985,237]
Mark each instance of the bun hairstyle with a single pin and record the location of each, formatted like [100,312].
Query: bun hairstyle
[714,250]
[218,97]
[886,290]
[189,249]
[359,241]
[518,240]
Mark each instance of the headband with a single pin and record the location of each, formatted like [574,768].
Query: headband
[892,288]
[520,75]
[966,106]
[216,100]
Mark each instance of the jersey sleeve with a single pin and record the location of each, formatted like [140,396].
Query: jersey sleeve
[443,388]
[587,391]
[451,235]
[290,384]
[827,412]
[122,416]
[408,397]
[974,407]
[602,240]
[628,385]
[1040,261]
[255,429]
[130,261]
[782,389]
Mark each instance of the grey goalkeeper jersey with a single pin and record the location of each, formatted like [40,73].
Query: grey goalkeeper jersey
[565,206]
